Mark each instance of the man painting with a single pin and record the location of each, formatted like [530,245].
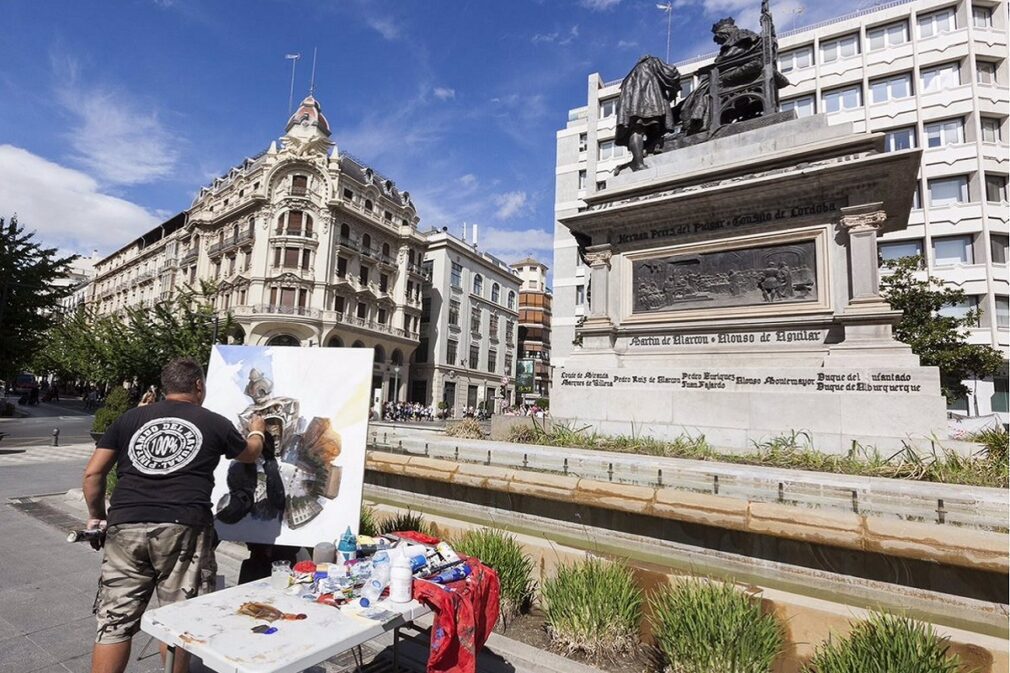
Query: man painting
[643,109]
[159,533]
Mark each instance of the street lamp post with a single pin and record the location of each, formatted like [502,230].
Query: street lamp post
[396,384]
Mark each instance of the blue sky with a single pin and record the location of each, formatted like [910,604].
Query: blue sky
[115,113]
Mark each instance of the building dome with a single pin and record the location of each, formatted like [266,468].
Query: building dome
[309,113]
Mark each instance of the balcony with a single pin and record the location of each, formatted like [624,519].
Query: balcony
[295,235]
[419,270]
[189,257]
[386,260]
[347,243]
[302,311]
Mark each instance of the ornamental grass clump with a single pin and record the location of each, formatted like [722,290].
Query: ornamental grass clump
[886,643]
[468,428]
[409,521]
[500,551]
[593,606]
[702,626]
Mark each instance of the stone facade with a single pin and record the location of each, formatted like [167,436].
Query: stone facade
[929,74]
[306,246]
[470,328]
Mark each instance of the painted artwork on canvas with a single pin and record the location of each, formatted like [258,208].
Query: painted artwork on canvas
[314,402]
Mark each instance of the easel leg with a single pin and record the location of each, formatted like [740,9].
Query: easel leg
[170,659]
[396,650]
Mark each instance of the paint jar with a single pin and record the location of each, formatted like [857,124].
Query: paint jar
[280,574]
[324,552]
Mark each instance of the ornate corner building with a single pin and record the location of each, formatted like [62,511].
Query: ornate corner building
[305,245]
[534,331]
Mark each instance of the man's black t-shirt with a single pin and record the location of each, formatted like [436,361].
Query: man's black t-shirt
[166,456]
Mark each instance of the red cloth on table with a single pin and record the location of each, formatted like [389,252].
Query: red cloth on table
[465,613]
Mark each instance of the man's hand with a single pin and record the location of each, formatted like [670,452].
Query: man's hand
[97,524]
[257,424]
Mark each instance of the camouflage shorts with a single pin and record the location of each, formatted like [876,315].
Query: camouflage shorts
[174,559]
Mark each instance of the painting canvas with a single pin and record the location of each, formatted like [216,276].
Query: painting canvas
[315,404]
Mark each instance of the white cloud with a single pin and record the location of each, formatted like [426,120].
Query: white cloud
[514,244]
[599,5]
[469,180]
[116,139]
[509,204]
[556,37]
[385,26]
[65,205]
[444,93]
[626,44]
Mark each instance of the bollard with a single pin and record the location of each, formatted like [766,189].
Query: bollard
[399,445]
[659,477]
[566,466]
[456,454]
[855,501]
[941,513]
[782,492]
[488,457]
[715,484]
[426,449]
[526,462]
[56,436]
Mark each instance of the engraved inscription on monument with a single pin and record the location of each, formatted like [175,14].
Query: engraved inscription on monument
[773,274]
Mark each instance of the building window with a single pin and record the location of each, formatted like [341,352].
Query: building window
[842,47]
[608,108]
[348,195]
[1002,311]
[338,305]
[580,295]
[936,23]
[306,259]
[582,179]
[384,284]
[796,59]
[496,293]
[995,188]
[454,313]
[493,325]
[999,243]
[985,72]
[899,139]
[949,250]
[363,275]
[382,316]
[946,132]
[891,88]
[917,197]
[512,300]
[890,35]
[991,131]
[508,364]
[510,327]
[601,185]
[421,354]
[299,184]
[947,191]
[478,285]
[474,356]
[848,98]
[492,361]
[451,349]
[362,310]
[583,142]
[475,320]
[960,309]
[291,257]
[981,16]
[368,205]
[456,278]
[804,105]
[608,150]
[940,77]
[342,267]
[891,250]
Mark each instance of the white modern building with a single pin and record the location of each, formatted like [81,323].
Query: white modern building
[469,327]
[928,73]
[81,273]
[305,245]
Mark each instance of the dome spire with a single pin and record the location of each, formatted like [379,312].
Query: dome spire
[309,113]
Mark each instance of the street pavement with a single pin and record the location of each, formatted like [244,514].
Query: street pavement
[68,415]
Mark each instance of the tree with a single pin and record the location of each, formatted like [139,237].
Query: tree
[29,301]
[133,346]
[939,340]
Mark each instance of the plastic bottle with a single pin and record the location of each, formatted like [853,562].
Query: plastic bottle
[452,574]
[401,580]
[381,567]
[347,546]
[371,591]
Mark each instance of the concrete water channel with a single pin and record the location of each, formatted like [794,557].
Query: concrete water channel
[822,548]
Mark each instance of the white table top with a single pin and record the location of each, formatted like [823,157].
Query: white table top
[210,627]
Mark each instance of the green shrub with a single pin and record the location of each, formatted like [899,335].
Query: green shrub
[468,428]
[593,606]
[995,440]
[886,643]
[710,627]
[367,523]
[116,404]
[522,434]
[404,522]
[500,551]
[111,479]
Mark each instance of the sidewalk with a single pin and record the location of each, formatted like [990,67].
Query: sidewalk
[47,587]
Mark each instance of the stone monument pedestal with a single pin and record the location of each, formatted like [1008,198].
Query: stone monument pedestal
[735,294]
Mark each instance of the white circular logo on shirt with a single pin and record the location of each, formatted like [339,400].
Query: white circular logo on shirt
[164,445]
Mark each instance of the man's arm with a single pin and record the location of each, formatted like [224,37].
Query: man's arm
[102,461]
[253,441]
